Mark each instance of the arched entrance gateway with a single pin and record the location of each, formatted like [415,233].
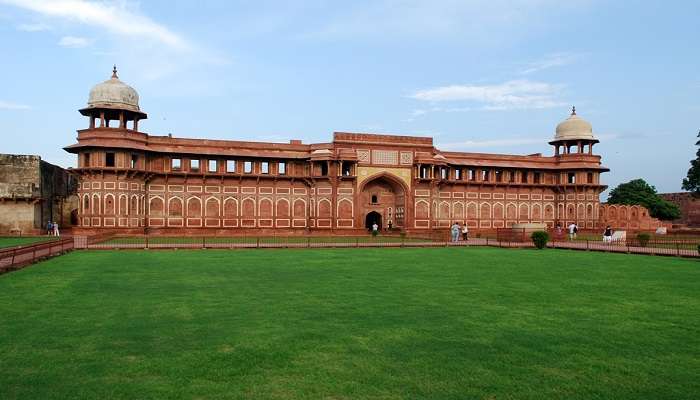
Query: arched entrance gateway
[372,218]
[383,200]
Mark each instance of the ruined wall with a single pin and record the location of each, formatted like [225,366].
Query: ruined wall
[19,176]
[33,192]
[620,216]
[689,205]
[58,190]
[18,215]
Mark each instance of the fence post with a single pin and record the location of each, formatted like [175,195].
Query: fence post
[33,253]
[257,242]
[146,242]
[588,247]
[678,250]
[14,251]
[357,242]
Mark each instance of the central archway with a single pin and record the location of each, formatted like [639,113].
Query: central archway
[383,195]
[372,218]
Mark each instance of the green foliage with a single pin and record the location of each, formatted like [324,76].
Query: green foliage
[692,181]
[375,233]
[643,239]
[540,239]
[638,191]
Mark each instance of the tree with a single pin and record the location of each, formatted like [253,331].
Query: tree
[637,191]
[692,182]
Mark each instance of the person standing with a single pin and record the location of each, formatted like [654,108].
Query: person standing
[607,235]
[49,228]
[375,229]
[55,229]
[465,232]
[455,232]
[572,231]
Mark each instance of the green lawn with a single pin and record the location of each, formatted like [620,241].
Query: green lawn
[443,323]
[12,241]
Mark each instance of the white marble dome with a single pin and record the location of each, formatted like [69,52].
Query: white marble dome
[574,128]
[114,93]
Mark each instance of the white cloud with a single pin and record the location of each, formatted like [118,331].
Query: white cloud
[471,144]
[513,141]
[515,94]
[551,61]
[33,27]
[112,16]
[128,38]
[74,41]
[6,105]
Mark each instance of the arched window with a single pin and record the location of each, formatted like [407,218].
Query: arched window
[374,199]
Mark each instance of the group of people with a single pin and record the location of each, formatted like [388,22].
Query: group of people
[573,232]
[52,229]
[375,227]
[458,229]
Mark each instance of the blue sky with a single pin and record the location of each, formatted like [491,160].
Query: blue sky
[484,76]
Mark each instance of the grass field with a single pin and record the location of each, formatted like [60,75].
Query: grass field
[444,323]
[12,241]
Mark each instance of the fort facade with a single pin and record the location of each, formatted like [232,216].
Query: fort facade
[133,182]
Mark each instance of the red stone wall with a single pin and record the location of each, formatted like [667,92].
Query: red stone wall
[690,208]
[634,217]
[490,208]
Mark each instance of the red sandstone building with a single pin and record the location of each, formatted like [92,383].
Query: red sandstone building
[134,182]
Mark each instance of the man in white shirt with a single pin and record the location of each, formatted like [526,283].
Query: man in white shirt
[573,229]
[375,227]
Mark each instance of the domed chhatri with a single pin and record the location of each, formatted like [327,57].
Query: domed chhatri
[574,128]
[113,100]
[574,136]
[114,94]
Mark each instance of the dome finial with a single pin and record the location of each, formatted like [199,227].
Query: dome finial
[114,72]
[573,110]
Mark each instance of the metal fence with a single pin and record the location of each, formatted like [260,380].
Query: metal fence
[18,257]
[21,256]
[638,242]
[226,242]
